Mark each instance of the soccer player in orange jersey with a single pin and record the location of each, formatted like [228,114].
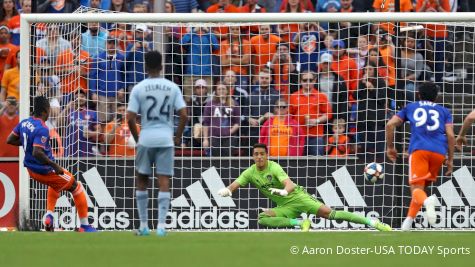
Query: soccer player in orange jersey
[432,139]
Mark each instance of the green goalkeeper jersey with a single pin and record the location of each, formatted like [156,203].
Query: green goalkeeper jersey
[270,177]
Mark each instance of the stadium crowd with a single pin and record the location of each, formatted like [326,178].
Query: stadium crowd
[302,89]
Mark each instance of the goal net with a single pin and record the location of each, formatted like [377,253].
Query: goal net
[317,90]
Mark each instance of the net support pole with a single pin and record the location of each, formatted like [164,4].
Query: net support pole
[24,180]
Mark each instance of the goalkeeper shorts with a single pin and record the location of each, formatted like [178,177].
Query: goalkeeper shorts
[302,203]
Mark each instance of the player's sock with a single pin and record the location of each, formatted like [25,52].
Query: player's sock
[277,222]
[419,196]
[163,205]
[142,206]
[414,208]
[79,196]
[407,224]
[51,199]
[349,216]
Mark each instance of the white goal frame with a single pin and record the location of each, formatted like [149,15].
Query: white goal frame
[27,19]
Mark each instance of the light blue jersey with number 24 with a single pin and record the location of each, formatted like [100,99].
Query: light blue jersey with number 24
[156,100]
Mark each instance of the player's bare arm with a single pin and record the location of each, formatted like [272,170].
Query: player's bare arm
[467,123]
[41,156]
[183,114]
[13,140]
[390,128]
[449,131]
[132,123]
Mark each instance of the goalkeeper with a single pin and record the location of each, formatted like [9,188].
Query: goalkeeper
[291,199]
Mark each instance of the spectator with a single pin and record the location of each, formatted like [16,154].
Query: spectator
[10,86]
[284,70]
[344,65]
[236,55]
[123,34]
[312,110]
[118,6]
[57,6]
[94,40]
[107,81]
[347,6]
[95,4]
[47,84]
[327,44]
[173,56]
[184,6]
[221,123]
[196,109]
[282,134]
[80,128]
[239,95]
[307,43]
[331,6]
[337,144]
[7,51]
[333,86]
[387,51]
[285,30]
[135,67]
[360,54]
[7,12]
[222,6]
[252,7]
[437,33]
[322,5]
[14,23]
[73,67]
[198,47]
[53,43]
[389,6]
[263,96]
[372,105]
[375,58]
[139,8]
[412,67]
[263,47]
[305,4]
[117,136]
[8,120]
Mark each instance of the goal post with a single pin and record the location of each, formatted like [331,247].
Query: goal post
[336,179]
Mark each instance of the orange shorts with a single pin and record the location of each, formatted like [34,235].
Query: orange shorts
[53,180]
[424,166]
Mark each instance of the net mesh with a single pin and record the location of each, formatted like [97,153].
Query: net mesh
[319,94]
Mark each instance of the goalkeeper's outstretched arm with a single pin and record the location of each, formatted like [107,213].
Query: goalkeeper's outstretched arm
[228,191]
[467,123]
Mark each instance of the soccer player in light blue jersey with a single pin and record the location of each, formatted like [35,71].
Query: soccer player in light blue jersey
[157,100]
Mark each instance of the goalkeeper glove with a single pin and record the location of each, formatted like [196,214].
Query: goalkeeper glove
[224,192]
[276,191]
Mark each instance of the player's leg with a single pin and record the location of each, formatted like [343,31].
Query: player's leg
[79,196]
[328,213]
[51,199]
[143,170]
[164,160]
[279,217]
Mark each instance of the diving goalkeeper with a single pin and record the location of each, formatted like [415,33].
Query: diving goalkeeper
[291,199]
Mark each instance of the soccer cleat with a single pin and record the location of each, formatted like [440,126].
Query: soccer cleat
[49,223]
[142,232]
[161,232]
[87,228]
[381,226]
[407,224]
[429,203]
[305,226]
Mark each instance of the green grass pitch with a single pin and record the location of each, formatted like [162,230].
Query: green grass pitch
[246,249]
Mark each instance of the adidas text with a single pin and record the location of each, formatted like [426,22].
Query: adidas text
[208,219]
[104,220]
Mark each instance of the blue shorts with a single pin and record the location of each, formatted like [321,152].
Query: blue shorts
[162,157]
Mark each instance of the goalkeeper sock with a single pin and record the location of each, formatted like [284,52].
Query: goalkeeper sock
[163,205]
[277,222]
[51,199]
[80,201]
[349,217]
[142,206]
